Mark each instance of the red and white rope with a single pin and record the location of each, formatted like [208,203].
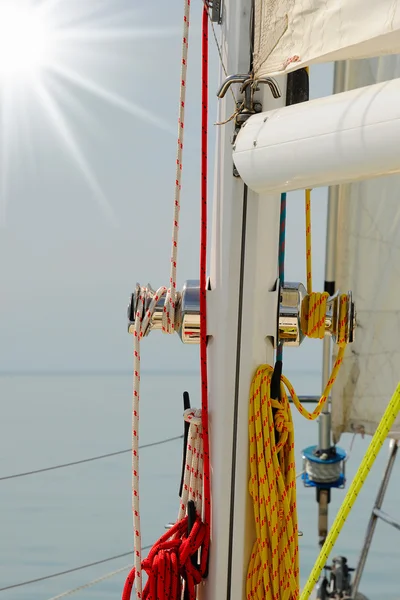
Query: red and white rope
[168,322]
[192,488]
[141,324]
[170,300]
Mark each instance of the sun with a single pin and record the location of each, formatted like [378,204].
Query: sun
[24,42]
[52,56]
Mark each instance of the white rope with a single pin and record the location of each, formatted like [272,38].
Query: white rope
[193,475]
[170,300]
[168,319]
[87,585]
[323,473]
[141,324]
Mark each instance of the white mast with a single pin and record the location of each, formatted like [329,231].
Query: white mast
[244,266]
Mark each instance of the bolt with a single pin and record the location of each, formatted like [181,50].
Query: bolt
[265,119]
[255,143]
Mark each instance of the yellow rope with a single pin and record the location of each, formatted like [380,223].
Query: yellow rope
[273,570]
[377,441]
[274,566]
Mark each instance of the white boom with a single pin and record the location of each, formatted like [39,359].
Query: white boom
[342,138]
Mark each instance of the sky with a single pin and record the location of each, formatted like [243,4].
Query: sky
[87,161]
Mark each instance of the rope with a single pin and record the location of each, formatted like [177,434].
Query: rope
[170,299]
[93,458]
[168,319]
[322,472]
[171,559]
[274,564]
[203,289]
[273,570]
[308,241]
[90,583]
[313,322]
[68,571]
[193,473]
[281,258]
[377,441]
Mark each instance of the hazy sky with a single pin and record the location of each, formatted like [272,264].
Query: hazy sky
[67,261]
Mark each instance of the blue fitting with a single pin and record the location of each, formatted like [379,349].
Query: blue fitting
[337,456]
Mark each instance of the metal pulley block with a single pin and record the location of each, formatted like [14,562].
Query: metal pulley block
[187,311]
[292,325]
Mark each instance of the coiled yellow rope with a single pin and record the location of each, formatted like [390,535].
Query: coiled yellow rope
[273,570]
[274,566]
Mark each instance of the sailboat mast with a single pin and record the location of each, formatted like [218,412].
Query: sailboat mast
[339,85]
[324,423]
[244,267]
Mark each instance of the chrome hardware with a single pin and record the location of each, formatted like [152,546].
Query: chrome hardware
[254,83]
[324,441]
[187,312]
[283,307]
[248,106]
[290,332]
[248,83]
[229,81]
[291,318]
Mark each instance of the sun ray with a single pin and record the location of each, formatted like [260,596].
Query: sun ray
[56,116]
[59,88]
[110,97]
[119,33]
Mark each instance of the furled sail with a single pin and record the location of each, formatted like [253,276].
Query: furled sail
[368,263]
[289,34]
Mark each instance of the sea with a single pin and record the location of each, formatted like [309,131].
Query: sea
[65,518]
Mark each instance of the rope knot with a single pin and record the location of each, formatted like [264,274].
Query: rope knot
[282,420]
[193,416]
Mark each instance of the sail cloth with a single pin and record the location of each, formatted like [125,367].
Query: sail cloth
[368,263]
[289,34]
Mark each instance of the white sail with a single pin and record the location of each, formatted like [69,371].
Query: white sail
[368,263]
[294,33]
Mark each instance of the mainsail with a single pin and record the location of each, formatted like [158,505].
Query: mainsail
[368,263]
[289,34]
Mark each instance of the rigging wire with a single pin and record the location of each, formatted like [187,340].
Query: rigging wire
[90,583]
[68,571]
[218,46]
[91,459]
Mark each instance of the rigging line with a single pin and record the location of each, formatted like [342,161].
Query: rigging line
[91,583]
[219,49]
[282,241]
[68,571]
[237,384]
[93,458]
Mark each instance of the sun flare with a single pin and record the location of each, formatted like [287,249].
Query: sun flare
[52,52]
[24,42]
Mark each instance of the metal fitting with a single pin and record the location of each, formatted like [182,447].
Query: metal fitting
[187,311]
[292,328]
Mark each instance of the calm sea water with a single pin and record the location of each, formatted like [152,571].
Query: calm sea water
[61,519]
